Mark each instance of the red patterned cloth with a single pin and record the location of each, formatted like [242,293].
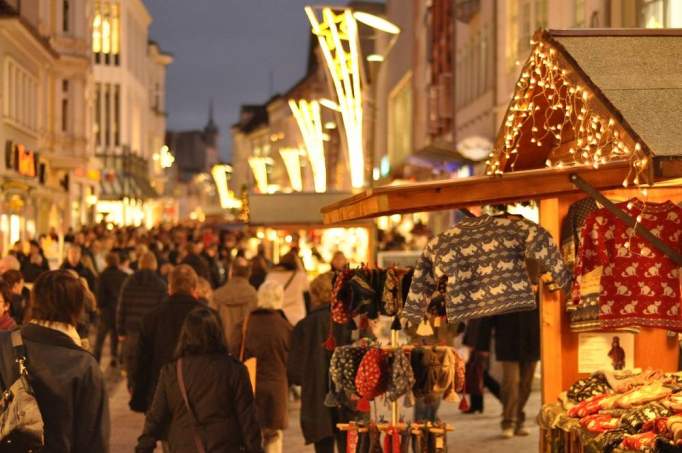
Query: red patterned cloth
[370,380]
[640,285]
[644,441]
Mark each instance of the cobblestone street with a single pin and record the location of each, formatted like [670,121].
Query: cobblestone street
[473,433]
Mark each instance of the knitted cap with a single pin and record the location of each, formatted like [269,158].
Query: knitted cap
[370,380]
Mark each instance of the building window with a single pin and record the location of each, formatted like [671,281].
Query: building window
[98,114]
[107,114]
[117,115]
[21,88]
[400,122]
[523,18]
[579,13]
[65,16]
[106,44]
[661,14]
[65,105]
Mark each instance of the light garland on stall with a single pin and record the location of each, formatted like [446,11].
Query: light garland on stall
[597,139]
[568,116]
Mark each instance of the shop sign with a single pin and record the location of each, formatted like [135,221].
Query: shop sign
[21,159]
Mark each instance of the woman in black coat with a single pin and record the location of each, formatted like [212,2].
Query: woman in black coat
[66,379]
[218,390]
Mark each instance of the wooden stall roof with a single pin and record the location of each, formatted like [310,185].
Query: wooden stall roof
[636,76]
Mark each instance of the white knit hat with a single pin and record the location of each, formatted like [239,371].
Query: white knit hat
[271,295]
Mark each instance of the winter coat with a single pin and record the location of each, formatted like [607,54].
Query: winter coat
[141,292]
[156,346]
[69,388]
[109,289]
[199,264]
[220,395]
[234,301]
[268,339]
[84,272]
[517,336]
[7,322]
[31,270]
[308,366]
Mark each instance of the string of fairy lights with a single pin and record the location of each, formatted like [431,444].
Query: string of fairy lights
[567,118]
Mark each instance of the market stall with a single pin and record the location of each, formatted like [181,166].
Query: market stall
[284,220]
[595,116]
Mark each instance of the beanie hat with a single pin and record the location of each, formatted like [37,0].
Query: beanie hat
[370,380]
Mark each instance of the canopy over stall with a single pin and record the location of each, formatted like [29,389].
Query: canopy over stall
[603,105]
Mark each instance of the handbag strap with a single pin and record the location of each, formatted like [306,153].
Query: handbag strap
[245,327]
[183,390]
[291,279]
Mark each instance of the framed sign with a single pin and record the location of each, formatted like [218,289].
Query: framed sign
[606,351]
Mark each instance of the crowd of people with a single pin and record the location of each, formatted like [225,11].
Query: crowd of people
[182,308]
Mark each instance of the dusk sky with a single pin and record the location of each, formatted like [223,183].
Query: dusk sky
[226,50]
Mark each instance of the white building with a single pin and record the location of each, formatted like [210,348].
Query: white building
[45,72]
[129,110]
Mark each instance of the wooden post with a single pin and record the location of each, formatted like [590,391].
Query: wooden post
[551,313]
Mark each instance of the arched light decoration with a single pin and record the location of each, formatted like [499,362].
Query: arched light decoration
[292,162]
[259,167]
[569,116]
[308,118]
[337,34]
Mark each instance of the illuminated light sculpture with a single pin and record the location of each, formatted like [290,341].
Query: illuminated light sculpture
[165,157]
[569,117]
[259,167]
[292,162]
[337,34]
[220,174]
[308,118]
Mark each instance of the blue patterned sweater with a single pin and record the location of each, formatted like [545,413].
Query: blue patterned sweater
[484,260]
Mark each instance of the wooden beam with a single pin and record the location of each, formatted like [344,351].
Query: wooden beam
[458,193]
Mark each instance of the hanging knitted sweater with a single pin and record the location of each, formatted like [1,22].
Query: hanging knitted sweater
[640,285]
[484,260]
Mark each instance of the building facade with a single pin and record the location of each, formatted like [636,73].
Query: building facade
[128,111]
[47,179]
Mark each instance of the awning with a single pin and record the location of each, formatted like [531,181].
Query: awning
[298,208]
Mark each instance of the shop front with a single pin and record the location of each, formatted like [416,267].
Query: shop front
[593,140]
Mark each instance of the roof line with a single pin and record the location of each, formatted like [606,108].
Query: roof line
[582,32]
[547,36]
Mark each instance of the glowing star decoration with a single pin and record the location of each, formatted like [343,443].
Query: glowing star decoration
[292,162]
[259,167]
[307,115]
[555,111]
[338,38]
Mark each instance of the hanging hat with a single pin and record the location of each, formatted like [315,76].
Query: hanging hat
[370,380]
[344,365]
[401,378]
[340,312]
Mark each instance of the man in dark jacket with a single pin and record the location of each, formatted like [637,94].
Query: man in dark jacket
[159,335]
[196,261]
[141,293]
[109,290]
[308,366]
[73,263]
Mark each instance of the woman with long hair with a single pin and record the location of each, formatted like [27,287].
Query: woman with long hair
[203,398]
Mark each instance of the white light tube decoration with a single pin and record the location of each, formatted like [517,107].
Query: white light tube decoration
[338,38]
[227,198]
[292,162]
[260,172]
[308,118]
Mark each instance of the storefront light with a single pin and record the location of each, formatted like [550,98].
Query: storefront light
[91,200]
[375,58]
